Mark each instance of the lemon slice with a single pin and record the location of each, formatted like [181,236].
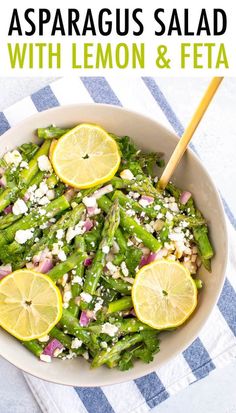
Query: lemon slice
[86,156]
[164,294]
[30,304]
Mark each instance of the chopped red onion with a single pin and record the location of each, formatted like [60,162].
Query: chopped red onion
[184,197]
[147,259]
[88,262]
[5,270]
[132,312]
[53,345]
[3,182]
[91,210]
[43,254]
[26,197]
[148,199]
[2,170]
[88,225]
[160,254]
[36,258]
[143,261]
[84,319]
[103,191]
[44,266]
[8,209]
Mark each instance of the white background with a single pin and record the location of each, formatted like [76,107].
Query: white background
[151,41]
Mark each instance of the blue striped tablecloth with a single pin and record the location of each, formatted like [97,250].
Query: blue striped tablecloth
[216,344]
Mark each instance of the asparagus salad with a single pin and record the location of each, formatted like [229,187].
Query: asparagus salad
[96,260]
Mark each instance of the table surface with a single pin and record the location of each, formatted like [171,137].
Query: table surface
[214,394]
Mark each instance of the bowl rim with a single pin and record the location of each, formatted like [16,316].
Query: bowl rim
[149,368]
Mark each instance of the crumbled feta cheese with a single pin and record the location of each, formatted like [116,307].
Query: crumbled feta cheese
[19,207]
[130,212]
[76,343]
[174,207]
[184,224]
[85,355]
[65,305]
[24,165]
[44,339]
[67,296]
[89,201]
[124,269]
[13,157]
[144,202]
[44,226]
[109,329]
[50,194]
[77,280]
[44,164]
[169,216]
[127,174]
[105,249]
[42,190]
[42,211]
[111,267]
[31,192]
[61,255]
[58,351]
[56,247]
[43,201]
[77,230]
[46,358]
[86,297]
[157,207]
[21,236]
[60,234]
[149,228]
[103,344]
[98,304]
[176,236]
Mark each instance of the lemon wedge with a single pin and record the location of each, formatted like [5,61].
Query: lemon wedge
[86,156]
[164,294]
[30,304]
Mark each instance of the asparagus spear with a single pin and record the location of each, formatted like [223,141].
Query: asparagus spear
[51,132]
[33,346]
[131,226]
[63,267]
[116,284]
[65,339]
[34,219]
[70,324]
[8,219]
[126,342]
[25,176]
[110,225]
[143,187]
[124,303]
[125,326]
[69,219]
[79,272]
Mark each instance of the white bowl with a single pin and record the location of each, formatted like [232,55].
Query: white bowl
[149,135]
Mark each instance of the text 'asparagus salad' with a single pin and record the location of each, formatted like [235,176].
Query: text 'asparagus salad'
[96,260]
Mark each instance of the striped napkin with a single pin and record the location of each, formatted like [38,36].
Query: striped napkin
[166,100]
